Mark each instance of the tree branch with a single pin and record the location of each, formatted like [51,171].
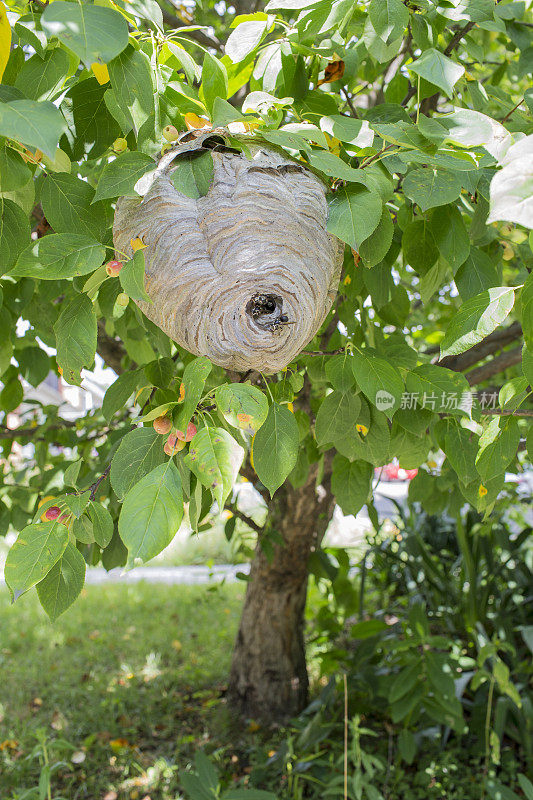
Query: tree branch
[205,39]
[487,347]
[457,38]
[247,520]
[496,365]
[111,349]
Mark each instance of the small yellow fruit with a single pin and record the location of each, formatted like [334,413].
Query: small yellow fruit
[170,133]
[119,145]
[123,299]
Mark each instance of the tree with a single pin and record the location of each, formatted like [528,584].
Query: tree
[418,118]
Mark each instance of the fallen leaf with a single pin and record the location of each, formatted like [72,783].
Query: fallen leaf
[78,757]
[9,744]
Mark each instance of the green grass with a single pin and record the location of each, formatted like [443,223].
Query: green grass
[144,664]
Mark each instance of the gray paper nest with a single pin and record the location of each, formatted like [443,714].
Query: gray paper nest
[245,274]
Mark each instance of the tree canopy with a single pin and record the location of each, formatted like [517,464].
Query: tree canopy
[417,115]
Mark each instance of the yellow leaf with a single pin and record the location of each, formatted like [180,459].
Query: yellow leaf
[347,280]
[363,430]
[137,244]
[482,491]
[290,407]
[182,393]
[5,39]
[176,644]
[100,72]
[254,726]
[194,122]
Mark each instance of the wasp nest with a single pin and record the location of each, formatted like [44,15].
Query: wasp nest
[245,274]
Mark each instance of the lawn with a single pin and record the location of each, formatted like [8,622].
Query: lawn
[122,689]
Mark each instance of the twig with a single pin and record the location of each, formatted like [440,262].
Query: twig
[493,367]
[457,38]
[501,413]
[344,93]
[512,110]
[247,520]
[94,486]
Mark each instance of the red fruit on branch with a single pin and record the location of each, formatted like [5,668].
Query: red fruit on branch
[162,424]
[113,268]
[52,513]
[186,437]
[173,445]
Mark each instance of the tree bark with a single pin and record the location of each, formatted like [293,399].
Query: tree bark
[268,678]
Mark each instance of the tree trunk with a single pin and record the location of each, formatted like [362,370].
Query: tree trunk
[268,678]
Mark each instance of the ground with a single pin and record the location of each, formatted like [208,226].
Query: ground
[127,678]
[121,692]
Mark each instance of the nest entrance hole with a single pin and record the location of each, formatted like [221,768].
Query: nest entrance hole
[266,310]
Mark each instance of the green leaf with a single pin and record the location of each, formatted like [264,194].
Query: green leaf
[389,18]
[498,445]
[526,305]
[439,389]
[245,39]
[70,478]
[380,381]
[335,167]
[339,372]
[152,513]
[336,417]
[131,78]
[243,406]
[58,256]
[461,447]
[214,81]
[63,584]
[75,332]
[351,483]
[347,129]
[275,447]
[138,453]
[31,123]
[37,549]
[215,458]
[476,319]
[431,187]
[14,232]
[13,171]
[438,69]
[193,175]
[91,127]
[82,530]
[195,375]
[407,745]
[68,204]
[119,177]
[190,67]
[41,78]
[450,235]
[478,273]
[132,277]
[375,248]
[419,247]
[119,392]
[354,214]
[102,524]
[93,32]
[511,189]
